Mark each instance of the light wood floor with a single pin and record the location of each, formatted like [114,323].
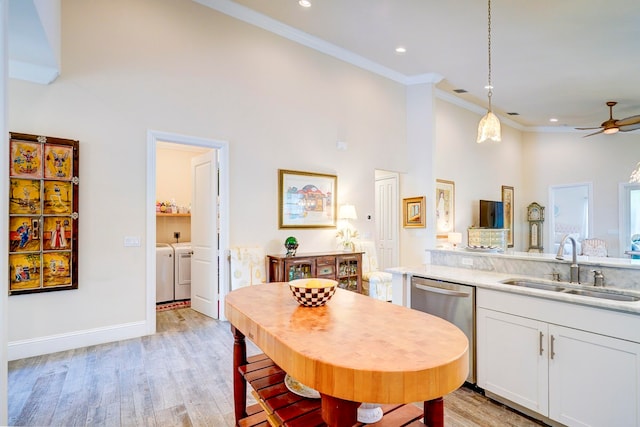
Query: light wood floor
[180,376]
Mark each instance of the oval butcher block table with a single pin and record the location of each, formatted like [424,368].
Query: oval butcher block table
[353,349]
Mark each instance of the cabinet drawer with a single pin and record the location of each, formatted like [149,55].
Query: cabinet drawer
[326,260]
[326,270]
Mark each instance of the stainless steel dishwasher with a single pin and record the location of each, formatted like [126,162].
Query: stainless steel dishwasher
[452,302]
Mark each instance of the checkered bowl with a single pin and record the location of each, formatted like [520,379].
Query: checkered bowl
[313,292]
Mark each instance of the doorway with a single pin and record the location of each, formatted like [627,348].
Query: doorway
[387,218]
[221,147]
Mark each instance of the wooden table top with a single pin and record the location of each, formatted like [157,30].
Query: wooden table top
[355,347]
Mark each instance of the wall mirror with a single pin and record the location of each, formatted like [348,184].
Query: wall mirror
[570,212]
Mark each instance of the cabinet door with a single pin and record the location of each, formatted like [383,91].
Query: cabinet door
[299,268]
[512,358]
[593,380]
[349,272]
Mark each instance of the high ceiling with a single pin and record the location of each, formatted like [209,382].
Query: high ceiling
[550,58]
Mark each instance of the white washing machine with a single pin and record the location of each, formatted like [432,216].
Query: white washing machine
[182,270]
[164,272]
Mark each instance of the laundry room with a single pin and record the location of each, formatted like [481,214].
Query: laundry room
[173,220]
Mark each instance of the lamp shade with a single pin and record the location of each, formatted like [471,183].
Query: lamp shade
[489,128]
[635,175]
[347,212]
[454,238]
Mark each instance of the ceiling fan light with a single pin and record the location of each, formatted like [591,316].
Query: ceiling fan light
[635,175]
[611,130]
[489,128]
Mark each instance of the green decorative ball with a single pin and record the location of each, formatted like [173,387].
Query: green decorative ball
[290,241]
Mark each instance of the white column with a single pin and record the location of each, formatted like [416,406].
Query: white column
[4,209]
[419,180]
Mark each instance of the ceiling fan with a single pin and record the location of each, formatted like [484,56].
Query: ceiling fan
[612,125]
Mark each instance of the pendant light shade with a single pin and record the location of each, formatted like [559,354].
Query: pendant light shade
[635,175]
[489,127]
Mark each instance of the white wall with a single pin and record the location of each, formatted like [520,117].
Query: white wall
[176,66]
[567,158]
[478,170]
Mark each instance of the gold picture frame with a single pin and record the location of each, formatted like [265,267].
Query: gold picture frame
[413,212]
[507,211]
[307,199]
[445,207]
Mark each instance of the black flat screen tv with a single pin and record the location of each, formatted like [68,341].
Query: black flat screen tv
[491,214]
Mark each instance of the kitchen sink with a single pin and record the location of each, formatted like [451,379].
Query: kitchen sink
[536,285]
[602,294]
[593,293]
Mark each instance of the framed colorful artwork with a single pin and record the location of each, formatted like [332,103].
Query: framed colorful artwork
[306,199]
[445,207]
[43,213]
[413,212]
[507,210]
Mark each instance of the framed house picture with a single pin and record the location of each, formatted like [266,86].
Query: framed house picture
[445,207]
[413,212]
[306,199]
[507,206]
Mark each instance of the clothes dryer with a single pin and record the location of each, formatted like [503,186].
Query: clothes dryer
[182,270]
[164,273]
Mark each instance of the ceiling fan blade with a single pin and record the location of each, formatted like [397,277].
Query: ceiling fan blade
[599,127]
[628,121]
[628,128]
[595,133]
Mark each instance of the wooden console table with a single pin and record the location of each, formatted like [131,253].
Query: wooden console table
[354,349]
[345,267]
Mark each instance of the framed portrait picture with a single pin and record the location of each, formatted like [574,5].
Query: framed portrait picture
[445,207]
[507,206]
[413,212]
[306,199]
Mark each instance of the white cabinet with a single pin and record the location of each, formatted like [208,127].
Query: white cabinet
[513,366]
[593,379]
[572,376]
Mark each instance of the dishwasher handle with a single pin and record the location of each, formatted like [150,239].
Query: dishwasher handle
[442,291]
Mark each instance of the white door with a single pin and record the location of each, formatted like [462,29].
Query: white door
[386,215]
[204,234]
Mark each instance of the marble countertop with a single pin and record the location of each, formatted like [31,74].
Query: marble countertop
[492,280]
[534,256]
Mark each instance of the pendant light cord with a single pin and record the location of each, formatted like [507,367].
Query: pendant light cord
[490,87]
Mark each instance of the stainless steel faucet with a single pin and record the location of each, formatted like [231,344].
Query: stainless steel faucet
[574,269]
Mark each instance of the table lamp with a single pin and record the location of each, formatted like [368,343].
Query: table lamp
[455,239]
[346,232]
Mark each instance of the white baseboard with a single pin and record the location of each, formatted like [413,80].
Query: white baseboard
[61,342]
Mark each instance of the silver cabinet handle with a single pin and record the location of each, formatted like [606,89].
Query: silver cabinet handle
[540,345]
[442,291]
[551,352]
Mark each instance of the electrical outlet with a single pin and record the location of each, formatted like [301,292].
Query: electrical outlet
[467,261]
[176,234]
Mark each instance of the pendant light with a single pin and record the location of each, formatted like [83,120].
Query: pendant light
[635,175]
[489,127]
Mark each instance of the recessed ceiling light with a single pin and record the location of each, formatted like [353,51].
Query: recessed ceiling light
[553,120]
[401,50]
[304,3]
